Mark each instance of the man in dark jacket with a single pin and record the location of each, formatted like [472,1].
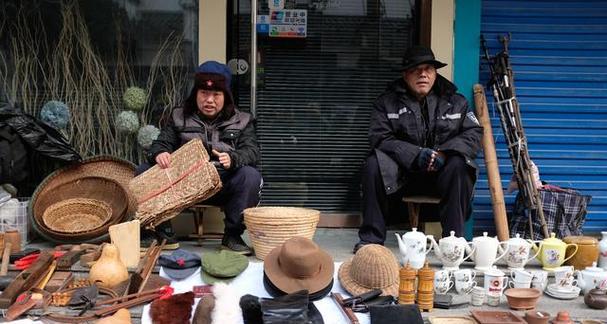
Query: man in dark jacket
[423,141]
[229,137]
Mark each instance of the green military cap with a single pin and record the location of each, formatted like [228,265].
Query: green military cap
[222,265]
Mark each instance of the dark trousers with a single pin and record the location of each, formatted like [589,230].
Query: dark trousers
[454,184]
[241,189]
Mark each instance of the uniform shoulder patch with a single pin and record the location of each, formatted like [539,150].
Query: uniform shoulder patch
[472,117]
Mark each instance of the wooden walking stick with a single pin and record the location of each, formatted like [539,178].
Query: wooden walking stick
[493,173]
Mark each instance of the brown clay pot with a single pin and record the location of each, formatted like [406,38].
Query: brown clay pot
[588,251]
[596,298]
[537,317]
[562,318]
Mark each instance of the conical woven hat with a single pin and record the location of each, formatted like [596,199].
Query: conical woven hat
[372,267]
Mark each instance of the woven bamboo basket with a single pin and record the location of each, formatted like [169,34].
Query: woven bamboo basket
[270,227]
[77,215]
[108,167]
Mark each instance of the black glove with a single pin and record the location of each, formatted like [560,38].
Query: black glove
[292,308]
[439,162]
[424,157]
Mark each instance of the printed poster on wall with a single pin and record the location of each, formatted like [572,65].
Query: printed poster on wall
[291,23]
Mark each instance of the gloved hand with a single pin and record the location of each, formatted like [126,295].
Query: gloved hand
[424,158]
[438,161]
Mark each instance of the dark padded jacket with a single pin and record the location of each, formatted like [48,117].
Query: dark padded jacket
[236,136]
[396,132]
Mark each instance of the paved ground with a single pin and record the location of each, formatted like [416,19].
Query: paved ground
[339,243]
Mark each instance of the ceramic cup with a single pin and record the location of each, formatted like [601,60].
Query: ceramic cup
[442,287]
[442,275]
[496,285]
[478,296]
[563,277]
[540,279]
[521,275]
[464,280]
[520,284]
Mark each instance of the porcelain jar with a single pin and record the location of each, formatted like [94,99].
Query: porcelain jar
[587,253]
[603,251]
[486,249]
[552,252]
[413,248]
[518,253]
[592,277]
[450,250]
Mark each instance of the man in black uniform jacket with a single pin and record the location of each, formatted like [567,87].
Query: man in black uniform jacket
[423,141]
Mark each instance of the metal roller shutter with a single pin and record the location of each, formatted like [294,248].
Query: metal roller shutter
[315,96]
[558,52]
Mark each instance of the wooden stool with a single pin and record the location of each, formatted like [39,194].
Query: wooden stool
[413,205]
[200,235]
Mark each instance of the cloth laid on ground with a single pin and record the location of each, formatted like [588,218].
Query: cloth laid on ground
[163,193]
[564,210]
[251,282]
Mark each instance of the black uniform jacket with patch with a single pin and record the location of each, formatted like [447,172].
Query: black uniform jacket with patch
[397,135]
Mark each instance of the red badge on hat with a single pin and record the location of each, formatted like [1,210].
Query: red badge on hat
[209,83]
[180,262]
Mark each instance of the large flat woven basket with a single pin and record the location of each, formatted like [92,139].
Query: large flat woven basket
[162,193]
[270,227]
[77,215]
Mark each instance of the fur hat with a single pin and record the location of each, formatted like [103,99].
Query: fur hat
[212,75]
[226,308]
[202,314]
[176,309]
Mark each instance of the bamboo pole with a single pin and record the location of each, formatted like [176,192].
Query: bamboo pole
[493,174]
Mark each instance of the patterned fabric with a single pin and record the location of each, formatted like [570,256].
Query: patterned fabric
[564,210]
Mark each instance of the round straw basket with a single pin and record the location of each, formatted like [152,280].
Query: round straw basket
[77,215]
[270,227]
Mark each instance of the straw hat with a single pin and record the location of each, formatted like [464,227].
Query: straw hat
[299,264]
[372,267]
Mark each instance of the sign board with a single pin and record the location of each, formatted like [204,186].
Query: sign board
[291,23]
[276,4]
[263,24]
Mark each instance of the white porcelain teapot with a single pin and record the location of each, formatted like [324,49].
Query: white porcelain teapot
[413,247]
[450,250]
[591,277]
[486,250]
[518,253]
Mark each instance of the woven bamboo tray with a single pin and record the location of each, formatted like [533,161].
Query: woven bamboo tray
[77,215]
[270,227]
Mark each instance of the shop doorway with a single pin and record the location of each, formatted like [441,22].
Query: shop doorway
[315,92]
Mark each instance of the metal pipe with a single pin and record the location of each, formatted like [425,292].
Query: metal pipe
[253,58]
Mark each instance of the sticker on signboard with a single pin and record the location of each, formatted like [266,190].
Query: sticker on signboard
[289,23]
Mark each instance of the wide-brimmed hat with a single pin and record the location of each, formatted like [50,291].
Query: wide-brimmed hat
[299,264]
[223,265]
[417,55]
[372,267]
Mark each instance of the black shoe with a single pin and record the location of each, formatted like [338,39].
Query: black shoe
[148,236]
[358,245]
[236,244]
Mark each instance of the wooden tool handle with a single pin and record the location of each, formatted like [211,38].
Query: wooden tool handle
[6,255]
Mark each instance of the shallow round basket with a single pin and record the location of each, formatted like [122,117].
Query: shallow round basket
[522,298]
[77,215]
[270,227]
